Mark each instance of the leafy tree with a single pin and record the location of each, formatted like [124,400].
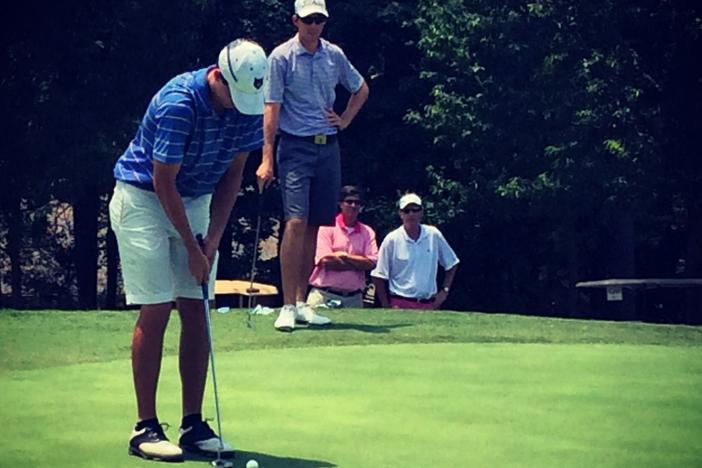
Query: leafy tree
[548,115]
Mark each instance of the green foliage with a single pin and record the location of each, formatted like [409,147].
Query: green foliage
[553,109]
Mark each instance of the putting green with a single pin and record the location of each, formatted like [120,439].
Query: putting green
[400,405]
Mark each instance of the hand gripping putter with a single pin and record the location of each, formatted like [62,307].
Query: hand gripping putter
[218,462]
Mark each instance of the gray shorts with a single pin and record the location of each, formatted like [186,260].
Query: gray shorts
[310,179]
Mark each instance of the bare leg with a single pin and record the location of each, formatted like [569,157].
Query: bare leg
[147,349]
[291,257]
[309,249]
[194,353]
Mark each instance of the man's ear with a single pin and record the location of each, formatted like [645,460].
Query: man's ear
[218,74]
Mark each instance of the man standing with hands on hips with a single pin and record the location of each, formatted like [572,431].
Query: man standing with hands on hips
[299,96]
[408,262]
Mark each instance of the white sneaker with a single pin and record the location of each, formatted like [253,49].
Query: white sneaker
[286,319]
[305,314]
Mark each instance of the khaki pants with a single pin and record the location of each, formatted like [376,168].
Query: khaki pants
[320,296]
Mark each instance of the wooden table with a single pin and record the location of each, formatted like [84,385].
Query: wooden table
[241,288]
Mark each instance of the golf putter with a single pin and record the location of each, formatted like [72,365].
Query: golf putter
[218,462]
[251,290]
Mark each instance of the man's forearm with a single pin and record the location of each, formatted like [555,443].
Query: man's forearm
[359,262]
[448,277]
[270,128]
[354,104]
[347,262]
[172,204]
[381,291]
[224,197]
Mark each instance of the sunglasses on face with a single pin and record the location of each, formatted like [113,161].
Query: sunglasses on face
[411,210]
[353,202]
[316,19]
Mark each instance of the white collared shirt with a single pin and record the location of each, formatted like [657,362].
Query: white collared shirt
[410,266]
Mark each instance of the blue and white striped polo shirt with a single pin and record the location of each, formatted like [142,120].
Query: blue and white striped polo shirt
[181,127]
[305,85]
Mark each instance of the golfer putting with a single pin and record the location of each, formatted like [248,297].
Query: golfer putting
[179,177]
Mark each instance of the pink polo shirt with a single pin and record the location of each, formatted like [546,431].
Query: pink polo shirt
[357,240]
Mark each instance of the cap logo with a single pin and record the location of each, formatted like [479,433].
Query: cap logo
[258,82]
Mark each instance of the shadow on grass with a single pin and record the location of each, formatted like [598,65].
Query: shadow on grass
[264,460]
[355,326]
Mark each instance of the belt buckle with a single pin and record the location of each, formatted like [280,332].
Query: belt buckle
[320,139]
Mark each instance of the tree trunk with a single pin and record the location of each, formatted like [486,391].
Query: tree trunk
[86,209]
[572,259]
[621,260]
[15,229]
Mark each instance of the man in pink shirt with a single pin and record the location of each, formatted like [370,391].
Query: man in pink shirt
[344,253]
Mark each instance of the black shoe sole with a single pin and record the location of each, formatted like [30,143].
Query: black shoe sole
[140,454]
[300,322]
[205,453]
[285,329]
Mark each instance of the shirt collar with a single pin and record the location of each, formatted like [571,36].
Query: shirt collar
[422,234]
[202,92]
[300,50]
[340,222]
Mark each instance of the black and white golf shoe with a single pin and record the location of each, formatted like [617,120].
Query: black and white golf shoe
[151,443]
[202,440]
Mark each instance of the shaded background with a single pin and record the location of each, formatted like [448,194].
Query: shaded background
[553,141]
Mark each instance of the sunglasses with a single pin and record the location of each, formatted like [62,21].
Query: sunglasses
[411,210]
[316,19]
[353,202]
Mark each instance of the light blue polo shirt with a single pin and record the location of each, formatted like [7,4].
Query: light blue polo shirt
[181,127]
[305,85]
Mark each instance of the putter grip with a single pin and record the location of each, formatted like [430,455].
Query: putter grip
[205,289]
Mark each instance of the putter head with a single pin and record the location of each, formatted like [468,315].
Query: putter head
[222,463]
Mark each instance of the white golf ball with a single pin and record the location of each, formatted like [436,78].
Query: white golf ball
[252,464]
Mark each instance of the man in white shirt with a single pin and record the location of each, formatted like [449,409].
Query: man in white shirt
[408,262]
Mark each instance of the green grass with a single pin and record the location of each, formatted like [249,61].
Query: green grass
[381,389]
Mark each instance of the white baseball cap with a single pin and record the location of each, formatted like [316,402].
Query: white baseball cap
[243,65]
[309,7]
[409,199]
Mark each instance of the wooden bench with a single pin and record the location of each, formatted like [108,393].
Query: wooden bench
[242,288]
[684,308]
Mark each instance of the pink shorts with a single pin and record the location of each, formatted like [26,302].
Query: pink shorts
[400,303]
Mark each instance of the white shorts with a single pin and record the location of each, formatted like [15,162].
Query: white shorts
[152,254]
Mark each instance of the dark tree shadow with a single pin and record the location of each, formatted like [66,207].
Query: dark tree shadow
[264,460]
[355,326]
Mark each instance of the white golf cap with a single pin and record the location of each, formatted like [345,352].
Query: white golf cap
[409,199]
[309,7]
[243,65]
